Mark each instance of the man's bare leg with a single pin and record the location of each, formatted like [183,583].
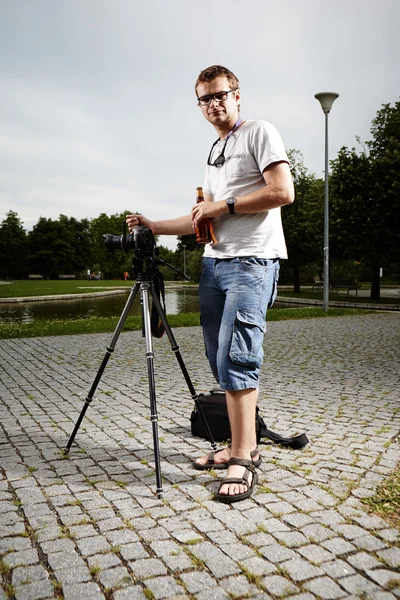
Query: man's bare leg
[242,410]
[249,407]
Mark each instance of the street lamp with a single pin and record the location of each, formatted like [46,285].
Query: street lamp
[184,258]
[326,100]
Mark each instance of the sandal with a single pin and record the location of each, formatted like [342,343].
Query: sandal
[250,469]
[211,464]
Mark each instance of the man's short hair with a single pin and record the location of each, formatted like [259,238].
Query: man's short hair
[215,71]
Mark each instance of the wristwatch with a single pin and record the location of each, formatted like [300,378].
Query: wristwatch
[231,205]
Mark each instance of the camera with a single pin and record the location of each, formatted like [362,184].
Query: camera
[141,241]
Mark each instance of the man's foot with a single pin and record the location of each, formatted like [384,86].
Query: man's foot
[219,459]
[240,482]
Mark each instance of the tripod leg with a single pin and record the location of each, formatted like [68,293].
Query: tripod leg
[109,351]
[144,295]
[175,348]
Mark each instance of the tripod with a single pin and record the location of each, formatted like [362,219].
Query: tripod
[145,270]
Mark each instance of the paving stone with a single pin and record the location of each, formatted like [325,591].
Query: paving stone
[63,560]
[337,568]
[14,544]
[299,569]
[117,537]
[325,588]
[219,564]
[103,561]
[216,593]
[391,556]
[315,554]
[93,545]
[23,574]
[130,593]
[165,548]
[363,561]
[73,575]
[238,586]
[115,577]
[58,545]
[148,567]
[156,533]
[34,591]
[197,581]
[133,551]
[291,539]
[390,535]
[277,553]
[82,531]
[164,587]
[316,532]
[178,563]
[82,591]
[385,578]
[359,585]
[279,586]
[338,546]
[297,519]
[370,542]
[23,557]
[258,566]
[304,596]
[260,539]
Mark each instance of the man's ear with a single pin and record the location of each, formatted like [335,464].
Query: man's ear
[237,96]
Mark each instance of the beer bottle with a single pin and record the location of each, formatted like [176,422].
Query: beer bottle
[204,230]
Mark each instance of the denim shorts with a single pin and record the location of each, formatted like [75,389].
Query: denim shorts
[234,297]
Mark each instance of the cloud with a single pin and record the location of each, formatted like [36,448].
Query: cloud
[97,107]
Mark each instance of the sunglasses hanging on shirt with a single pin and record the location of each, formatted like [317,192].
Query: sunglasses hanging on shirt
[220,160]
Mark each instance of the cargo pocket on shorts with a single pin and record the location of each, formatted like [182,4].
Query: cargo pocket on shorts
[247,339]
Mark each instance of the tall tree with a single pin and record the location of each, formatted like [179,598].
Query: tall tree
[45,247]
[303,220]
[365,215]
[13,247]
[111,265]
[59,247]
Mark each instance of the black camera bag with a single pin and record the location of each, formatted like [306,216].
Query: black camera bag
[215,412]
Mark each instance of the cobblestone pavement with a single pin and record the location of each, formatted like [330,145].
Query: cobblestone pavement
[91,526]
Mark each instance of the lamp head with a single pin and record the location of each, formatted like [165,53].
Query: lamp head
[326,100]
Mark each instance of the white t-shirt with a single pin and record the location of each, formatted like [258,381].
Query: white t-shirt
[249,150]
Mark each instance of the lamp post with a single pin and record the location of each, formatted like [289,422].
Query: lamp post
[184,258]
[326,100]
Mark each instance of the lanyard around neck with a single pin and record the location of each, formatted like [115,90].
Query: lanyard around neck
[220,160]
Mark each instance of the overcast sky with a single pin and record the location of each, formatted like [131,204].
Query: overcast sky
[97,104]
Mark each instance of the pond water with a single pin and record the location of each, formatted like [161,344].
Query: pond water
[177,301]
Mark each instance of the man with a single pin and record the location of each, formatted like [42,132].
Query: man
[247,181]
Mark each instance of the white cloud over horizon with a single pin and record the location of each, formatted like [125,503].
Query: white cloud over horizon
[97,106]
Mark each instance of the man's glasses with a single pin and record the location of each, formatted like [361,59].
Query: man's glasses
[219,97]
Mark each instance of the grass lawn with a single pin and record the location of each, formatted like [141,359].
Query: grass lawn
[42,287]
[46,327]
[341,297]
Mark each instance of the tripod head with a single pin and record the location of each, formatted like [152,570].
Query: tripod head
[145,258]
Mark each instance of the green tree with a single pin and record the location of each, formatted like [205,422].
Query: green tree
[13,247]
[365,206]
[193,255]
[303,220]
[59,247]
[110,264]
[45,247]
